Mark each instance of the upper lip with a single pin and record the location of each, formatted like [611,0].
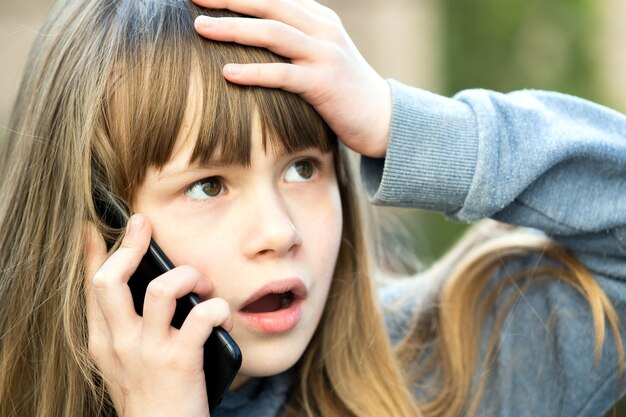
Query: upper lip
[293,285]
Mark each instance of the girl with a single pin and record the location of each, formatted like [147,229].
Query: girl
[248,191]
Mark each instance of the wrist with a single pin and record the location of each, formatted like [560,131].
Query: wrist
[378,136]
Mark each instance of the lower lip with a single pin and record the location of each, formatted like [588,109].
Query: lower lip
[279,321]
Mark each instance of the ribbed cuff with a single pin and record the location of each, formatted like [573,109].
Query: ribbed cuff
[431,155]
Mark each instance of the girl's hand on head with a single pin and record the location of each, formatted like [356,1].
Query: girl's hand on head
[326,68]
[150,368]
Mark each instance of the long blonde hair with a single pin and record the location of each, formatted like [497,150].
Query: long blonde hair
[102,100]
[444,344]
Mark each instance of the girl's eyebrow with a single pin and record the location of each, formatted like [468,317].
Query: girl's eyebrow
[176,171]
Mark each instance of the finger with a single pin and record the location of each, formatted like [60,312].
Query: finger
[161,296]
[202,319]
[289,77]
[110,282]
[300,14]
[278,37]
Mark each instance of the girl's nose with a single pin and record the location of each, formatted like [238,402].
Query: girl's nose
[270,229]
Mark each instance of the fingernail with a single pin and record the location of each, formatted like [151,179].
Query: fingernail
[233,69]
[205,21]
[135,223]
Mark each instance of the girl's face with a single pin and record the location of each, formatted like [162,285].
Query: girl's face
[266,236]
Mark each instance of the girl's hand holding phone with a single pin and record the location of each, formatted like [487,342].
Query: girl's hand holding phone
[326,68]
[150,368]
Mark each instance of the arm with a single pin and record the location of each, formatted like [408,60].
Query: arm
[532,158]
[536,159]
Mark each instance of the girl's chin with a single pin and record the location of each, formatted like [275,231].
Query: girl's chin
[268,369]
[268,364]
[270,355]
[246,375]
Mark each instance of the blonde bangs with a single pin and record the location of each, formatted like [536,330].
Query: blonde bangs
[288,123]
[158,52]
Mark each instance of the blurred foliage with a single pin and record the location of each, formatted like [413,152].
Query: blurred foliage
[507,45]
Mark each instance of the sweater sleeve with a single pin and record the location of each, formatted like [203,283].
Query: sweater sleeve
[537,159]
[531,158]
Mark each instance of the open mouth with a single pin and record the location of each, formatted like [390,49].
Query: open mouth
[277,307]
[275,296]
[270,303]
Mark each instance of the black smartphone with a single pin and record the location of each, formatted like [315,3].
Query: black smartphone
[222,356]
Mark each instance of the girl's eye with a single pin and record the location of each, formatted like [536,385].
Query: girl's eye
[206,188]
[300,171]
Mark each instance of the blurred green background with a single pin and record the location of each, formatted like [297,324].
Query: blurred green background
[506,45]
[572,46]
